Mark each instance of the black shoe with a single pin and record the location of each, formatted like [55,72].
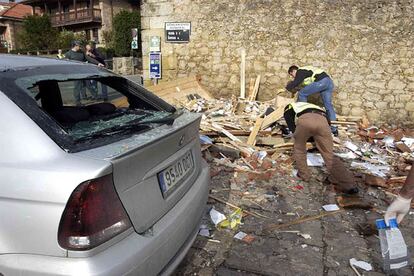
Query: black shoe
[335,132]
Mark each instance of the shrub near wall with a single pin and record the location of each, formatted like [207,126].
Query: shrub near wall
[123,22]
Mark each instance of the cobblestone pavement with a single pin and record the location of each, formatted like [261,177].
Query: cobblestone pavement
[335,239]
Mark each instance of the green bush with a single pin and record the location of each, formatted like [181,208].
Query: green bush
[37,33]
[123,22]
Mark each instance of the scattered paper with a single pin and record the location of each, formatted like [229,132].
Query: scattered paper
[351,146]
[244,237]
[408,141]
[377,170]
[305,236]
[361,264]
[216,216]
[348,155]
[304,245]
[388,141]
[240,235]
[315,160]
[330,207]
[204,231]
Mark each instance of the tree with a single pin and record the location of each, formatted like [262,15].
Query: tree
[65,38]
[123,22]
[37,33]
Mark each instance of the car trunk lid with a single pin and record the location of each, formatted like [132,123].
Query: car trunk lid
[152,171]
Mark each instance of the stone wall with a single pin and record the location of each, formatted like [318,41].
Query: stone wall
[366,46]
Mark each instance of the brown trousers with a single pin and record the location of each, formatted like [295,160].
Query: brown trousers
[316,126]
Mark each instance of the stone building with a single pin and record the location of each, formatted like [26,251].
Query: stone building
[93,17]
[366,46]
[11,17]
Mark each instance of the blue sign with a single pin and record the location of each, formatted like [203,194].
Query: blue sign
[155,65]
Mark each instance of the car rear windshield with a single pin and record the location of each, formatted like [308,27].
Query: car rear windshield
[86,110]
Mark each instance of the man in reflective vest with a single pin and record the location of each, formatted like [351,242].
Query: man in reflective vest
[307,120]
[314,80]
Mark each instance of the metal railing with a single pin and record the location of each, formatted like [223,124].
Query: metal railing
[72,17]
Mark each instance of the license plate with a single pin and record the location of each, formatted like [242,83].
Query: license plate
[170,178]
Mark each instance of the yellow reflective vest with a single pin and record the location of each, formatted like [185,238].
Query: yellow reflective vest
[299,107]
[315,71]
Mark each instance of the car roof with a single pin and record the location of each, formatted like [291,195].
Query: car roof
[11,62]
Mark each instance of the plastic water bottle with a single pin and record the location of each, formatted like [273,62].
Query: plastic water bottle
[393,248]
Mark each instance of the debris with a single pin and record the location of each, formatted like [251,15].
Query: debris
[233,220]
[205,140]
[305,236]
[315,160]
[273,227]
[330,207]
[204,231]
[374,180]
[244,237]
[361,264]
[236,207]
[401,146]
[350,202]
[374,169]
[216,216]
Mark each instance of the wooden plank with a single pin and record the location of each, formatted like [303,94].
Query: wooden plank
[243,74]
[269,141]
[173,83]
[225,132]
[343,123]
[272,117]
[255,131]
[176,91]
[251,87]
[255,89]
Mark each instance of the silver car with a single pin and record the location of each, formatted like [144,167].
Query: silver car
[98,175]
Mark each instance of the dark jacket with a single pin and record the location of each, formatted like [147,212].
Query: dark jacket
[301,75]
[80,56]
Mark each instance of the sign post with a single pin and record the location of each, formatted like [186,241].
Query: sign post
[134,42]
[155,44]
[155,66]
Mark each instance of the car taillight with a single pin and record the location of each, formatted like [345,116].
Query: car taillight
[93,215]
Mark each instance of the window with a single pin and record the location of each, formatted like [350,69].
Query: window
[95,35]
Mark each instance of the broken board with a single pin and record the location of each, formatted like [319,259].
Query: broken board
[178,91]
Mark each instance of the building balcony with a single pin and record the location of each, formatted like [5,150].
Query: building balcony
[76,17]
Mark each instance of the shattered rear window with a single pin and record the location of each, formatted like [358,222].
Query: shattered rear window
[93,110]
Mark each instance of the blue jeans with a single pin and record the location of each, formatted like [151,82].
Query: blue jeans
[325,86]
[79,90]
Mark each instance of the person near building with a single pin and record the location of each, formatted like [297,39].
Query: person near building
[402,203]
[307,121]
[60,55]
[313,80]
[76,53]
[92,52]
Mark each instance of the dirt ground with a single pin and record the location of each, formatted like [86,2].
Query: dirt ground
[319,246]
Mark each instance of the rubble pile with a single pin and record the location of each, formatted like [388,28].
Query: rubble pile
[257,198]
[249,137]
